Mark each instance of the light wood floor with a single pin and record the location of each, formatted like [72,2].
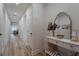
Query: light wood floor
[16,47]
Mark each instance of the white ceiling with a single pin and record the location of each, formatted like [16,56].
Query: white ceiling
[15,11]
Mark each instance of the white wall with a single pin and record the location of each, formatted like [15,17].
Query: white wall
[1,28]
[4,27]
[1,19]
[21,27]
[38,27]
[7,27]
[72,9]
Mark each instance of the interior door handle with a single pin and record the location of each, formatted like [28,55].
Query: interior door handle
[0,34]
[31,34]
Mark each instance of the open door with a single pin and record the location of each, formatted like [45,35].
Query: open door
[25,27]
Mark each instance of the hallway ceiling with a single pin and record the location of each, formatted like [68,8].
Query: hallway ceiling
[15,11]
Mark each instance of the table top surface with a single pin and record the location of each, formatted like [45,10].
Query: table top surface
[64,40]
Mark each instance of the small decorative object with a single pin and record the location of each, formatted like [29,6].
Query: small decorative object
[60,36]
[50,26]
[54,26]
[74,35]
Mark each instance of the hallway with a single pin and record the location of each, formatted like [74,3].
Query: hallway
[15,17]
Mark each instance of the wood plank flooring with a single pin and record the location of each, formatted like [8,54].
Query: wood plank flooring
[16,47]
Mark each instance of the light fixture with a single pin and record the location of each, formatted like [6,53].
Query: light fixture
[17,3]
[14,13]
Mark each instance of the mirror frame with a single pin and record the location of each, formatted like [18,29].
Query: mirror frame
[69,20]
